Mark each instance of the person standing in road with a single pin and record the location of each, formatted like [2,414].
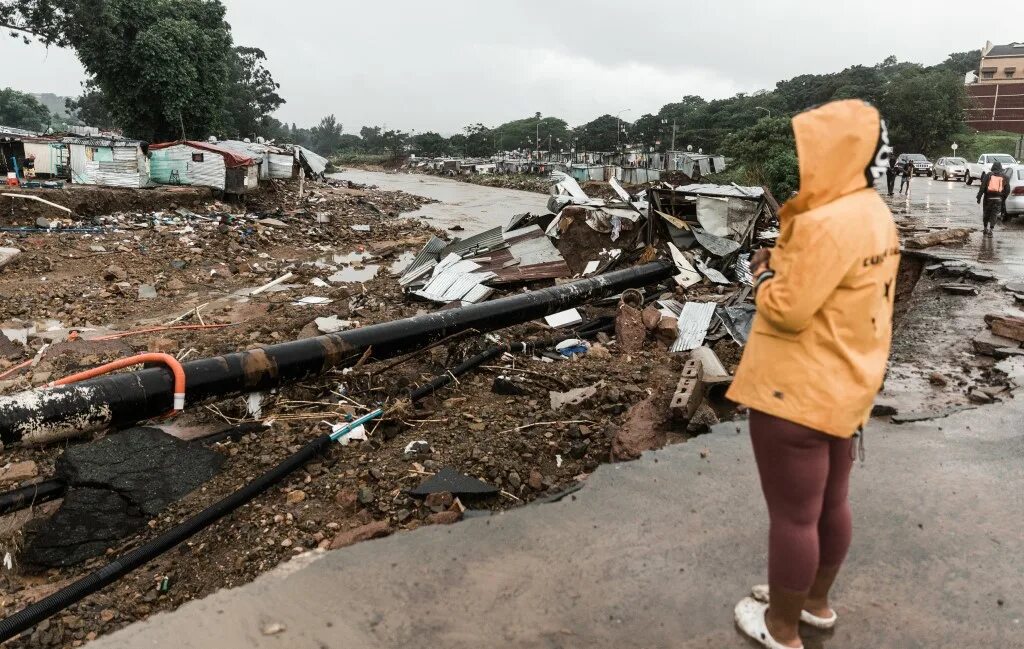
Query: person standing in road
[907,173]
[993,189]
[890,174]
[815,360]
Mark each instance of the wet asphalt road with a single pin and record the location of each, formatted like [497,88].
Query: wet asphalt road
[940,204]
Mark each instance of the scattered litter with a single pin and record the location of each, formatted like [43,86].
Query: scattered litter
[333,324]
[417,449]
[694,321]
[280,280]
[312,300]
[356,434]
[455,483]
[361,228]
[562,319]
[254,404]
[572,347]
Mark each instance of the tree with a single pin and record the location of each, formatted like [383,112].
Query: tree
[924,110]
[394,142]
[326,136]
[479,140]
[164,67]
[21,110]
[251,96]
[523,133]
[372,139]
[960,63]
[599,134]
[429,144]
[765,154]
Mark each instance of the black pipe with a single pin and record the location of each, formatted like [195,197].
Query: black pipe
[18,499]
[33,614]
[124,399]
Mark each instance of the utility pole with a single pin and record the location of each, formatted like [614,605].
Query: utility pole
[618,127]
[673,148]
[537,157]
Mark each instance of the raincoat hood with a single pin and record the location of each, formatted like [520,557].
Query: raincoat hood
[997,167]
[842,148]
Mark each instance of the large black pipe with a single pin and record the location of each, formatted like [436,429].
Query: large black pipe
[65,597]
[119,400]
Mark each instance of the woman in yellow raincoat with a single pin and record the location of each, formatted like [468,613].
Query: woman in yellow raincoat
[815,361]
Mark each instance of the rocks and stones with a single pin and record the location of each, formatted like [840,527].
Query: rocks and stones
[295,497]
[911,417]
[884,410]
[938,379]
[952,268]
[641,430]
[333,324]
[960,289]
[651,317]
[115,273]
[508,386]
[444,518]
[1006,326]
[574,397]
[147,292]
[536,480]
[1006,352]
[954,235]
[986,343]
[450,480]
[115,485]
[702,420]
[273,223]
[1014,287]
[175,285]
[7,255]
[365,496]
[179,264]
[629,329]
[10,349]
[374,530]
[417,450]
[44,223]
[977,396]
[18,472]
[667,330]
[979,275]
[439,501]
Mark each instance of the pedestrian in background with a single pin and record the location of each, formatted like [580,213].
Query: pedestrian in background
[815,360]
[908,173]
[994,189]
[890,174]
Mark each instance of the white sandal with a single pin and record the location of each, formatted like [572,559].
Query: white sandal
[749,615]
[760,593]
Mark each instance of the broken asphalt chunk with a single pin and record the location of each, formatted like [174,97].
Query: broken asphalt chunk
[960,289]
[459,485]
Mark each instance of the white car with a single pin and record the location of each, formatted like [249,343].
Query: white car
[1015,201]
[984,165]
[949,169]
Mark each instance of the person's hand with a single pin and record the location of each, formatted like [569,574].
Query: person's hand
[760,261]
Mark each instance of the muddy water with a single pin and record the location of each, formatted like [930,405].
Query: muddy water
[939,204]
[473,207]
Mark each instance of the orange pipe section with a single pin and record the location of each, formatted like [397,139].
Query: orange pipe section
[166,359]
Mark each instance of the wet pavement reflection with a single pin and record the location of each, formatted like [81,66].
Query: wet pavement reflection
[939,204]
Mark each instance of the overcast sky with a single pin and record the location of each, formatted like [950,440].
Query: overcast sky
[441,65]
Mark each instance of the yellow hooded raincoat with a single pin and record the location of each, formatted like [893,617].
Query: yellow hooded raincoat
[820,340]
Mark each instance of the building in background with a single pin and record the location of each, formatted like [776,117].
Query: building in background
[997,90]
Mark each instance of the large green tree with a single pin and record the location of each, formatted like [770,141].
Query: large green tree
[429,144]
[326,136]
[163,68]
[21,110]
[531,132]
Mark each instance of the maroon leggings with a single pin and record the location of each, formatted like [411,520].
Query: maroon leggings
[805,476]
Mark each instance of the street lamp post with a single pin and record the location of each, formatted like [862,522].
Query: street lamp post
[618,127]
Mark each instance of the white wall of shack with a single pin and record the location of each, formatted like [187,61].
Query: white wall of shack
[211,172]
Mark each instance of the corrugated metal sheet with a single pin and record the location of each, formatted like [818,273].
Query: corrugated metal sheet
[529,256]
[45,156]
[732,191]
[425,260]
[175,165]
[694,321]
[316,163]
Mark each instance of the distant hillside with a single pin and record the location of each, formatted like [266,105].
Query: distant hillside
[54,104]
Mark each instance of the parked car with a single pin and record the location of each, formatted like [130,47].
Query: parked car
[1015,201]
[949,168]
[922,167]
[984,165]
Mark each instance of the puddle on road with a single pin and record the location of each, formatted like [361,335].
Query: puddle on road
[352,267]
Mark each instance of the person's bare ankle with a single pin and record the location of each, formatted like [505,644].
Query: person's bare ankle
[783,633]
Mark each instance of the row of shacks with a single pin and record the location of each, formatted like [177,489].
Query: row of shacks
[230,166]
[631,168]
